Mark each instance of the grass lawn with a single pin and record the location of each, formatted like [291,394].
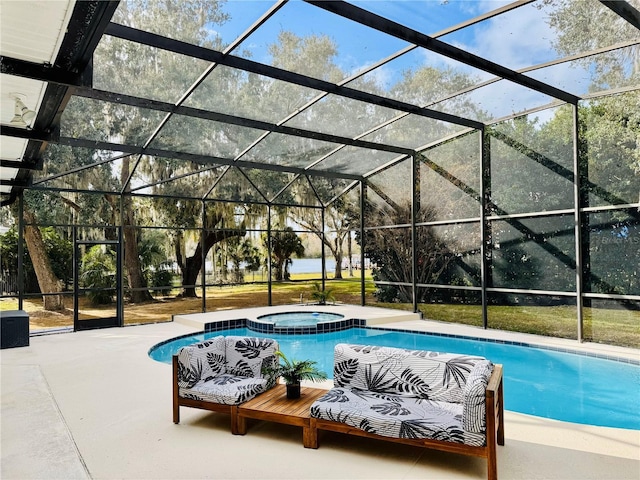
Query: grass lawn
[610,326]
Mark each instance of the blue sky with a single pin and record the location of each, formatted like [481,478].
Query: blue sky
[426,16]
[517,39]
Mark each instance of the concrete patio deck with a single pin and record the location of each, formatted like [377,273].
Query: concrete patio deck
[93,405]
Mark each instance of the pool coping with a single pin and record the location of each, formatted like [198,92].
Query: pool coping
[345,324]
[518,343]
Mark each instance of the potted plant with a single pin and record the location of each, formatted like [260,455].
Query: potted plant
[322,296]
[292,371]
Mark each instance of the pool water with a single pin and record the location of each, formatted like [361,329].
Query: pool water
[545,383]
[298,319]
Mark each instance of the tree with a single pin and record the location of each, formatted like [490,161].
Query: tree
[611,124]
[569,17]
[47,279]
[242,252]
[391,251]
[98,274]
[124,68]
[58,250]
[191,266]
[609,145]
[188,20]
[336,217]
[284,244]
[222,221]
[153,258]
[132,264]
[9,261]
[49,250]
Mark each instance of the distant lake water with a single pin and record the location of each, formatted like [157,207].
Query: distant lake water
[311,265]
[306,265]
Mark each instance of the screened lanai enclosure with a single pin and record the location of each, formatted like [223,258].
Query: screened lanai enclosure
[477,162]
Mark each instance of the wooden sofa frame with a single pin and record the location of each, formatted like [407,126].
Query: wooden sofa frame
[179,401]
[494,417]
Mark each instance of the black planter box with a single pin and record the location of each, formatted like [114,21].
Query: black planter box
[14,329]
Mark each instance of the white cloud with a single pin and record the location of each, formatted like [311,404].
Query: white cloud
[481,6]
[384,76]
[440,61]
[571,77]
[516,39]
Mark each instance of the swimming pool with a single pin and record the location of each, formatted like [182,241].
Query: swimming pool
[297,319]
[538,381]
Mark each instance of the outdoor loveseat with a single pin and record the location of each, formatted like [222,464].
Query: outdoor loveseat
[221,373]
[444,401]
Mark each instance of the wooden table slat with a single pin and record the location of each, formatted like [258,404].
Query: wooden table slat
[274,406]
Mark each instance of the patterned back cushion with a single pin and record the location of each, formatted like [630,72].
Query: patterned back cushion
[412,373]
[201,361]
[246,356]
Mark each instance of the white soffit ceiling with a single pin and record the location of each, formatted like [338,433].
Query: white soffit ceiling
[12,148]
[31,31]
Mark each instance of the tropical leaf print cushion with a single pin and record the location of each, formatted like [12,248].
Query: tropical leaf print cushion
[404,393]
[225,370]
[413,373]
[474,406]
[201,361]
[246,355]
[395,416]
[226,389]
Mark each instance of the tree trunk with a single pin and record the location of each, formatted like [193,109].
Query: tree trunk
[192,265]
[132,266]
[190,274]
[350,253]
[336,251]
[131,259]
[278,270]
[338,257]
[47,280]
[287,266]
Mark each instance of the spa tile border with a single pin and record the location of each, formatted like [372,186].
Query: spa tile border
[271,328]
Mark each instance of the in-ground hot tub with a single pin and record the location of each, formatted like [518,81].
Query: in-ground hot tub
[299,319]
[292,323]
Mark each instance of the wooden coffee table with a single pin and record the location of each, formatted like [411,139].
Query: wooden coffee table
[274,406]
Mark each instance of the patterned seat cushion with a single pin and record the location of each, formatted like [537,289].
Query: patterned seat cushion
[395,415]
[226,389]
